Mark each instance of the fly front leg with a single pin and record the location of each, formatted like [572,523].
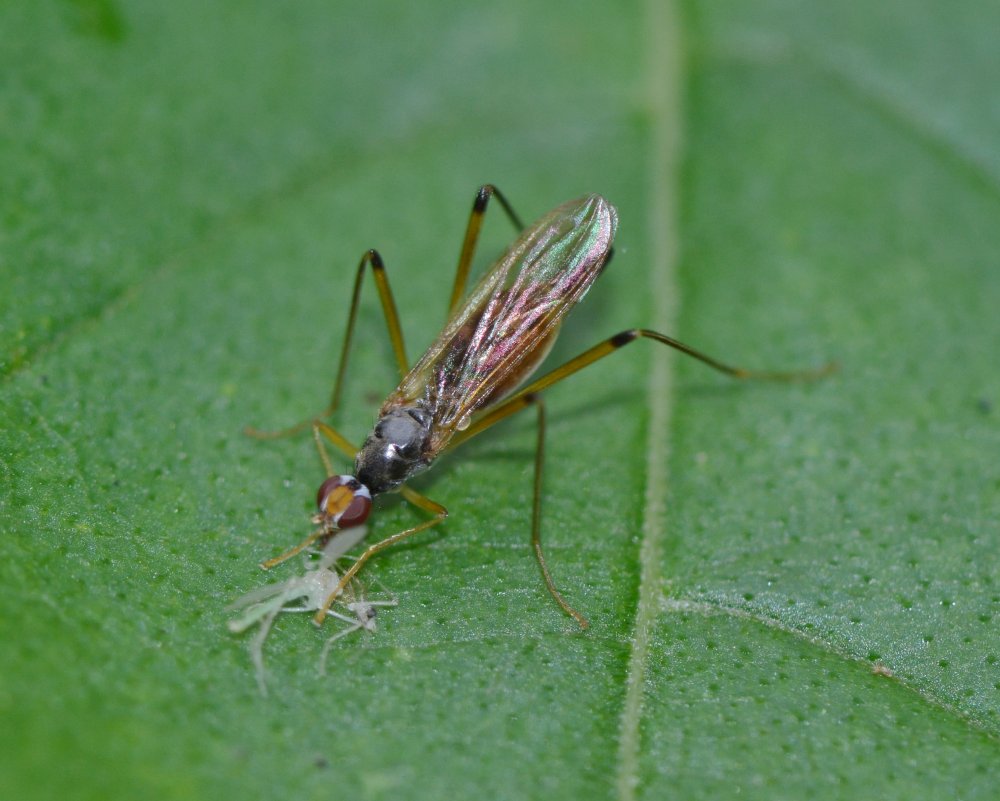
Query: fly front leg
[320,430]
[436,509]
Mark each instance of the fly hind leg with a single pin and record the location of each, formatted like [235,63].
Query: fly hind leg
[529,396]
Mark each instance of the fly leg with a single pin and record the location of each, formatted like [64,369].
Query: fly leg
[436,509]
[529,396]
[501,412]
[486,191]
[612,344]
[374,260]
[320,430]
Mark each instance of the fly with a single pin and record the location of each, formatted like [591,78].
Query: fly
[473,375]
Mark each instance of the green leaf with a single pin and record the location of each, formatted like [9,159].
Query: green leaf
[793,588]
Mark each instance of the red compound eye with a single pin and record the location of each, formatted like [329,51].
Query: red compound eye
[357,512]
[344,501]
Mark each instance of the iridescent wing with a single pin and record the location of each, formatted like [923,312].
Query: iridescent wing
[508,322]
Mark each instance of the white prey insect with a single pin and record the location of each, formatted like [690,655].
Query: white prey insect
[306,593]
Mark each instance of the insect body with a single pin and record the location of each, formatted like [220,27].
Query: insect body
[492,343]
[469,378]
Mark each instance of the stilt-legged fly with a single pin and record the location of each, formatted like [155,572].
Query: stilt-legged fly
[471,377]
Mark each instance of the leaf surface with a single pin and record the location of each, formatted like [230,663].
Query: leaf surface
[792,588]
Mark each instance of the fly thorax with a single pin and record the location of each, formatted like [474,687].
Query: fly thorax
[396,449]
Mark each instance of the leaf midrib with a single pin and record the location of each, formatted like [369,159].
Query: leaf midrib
[663,82]
[664,63]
